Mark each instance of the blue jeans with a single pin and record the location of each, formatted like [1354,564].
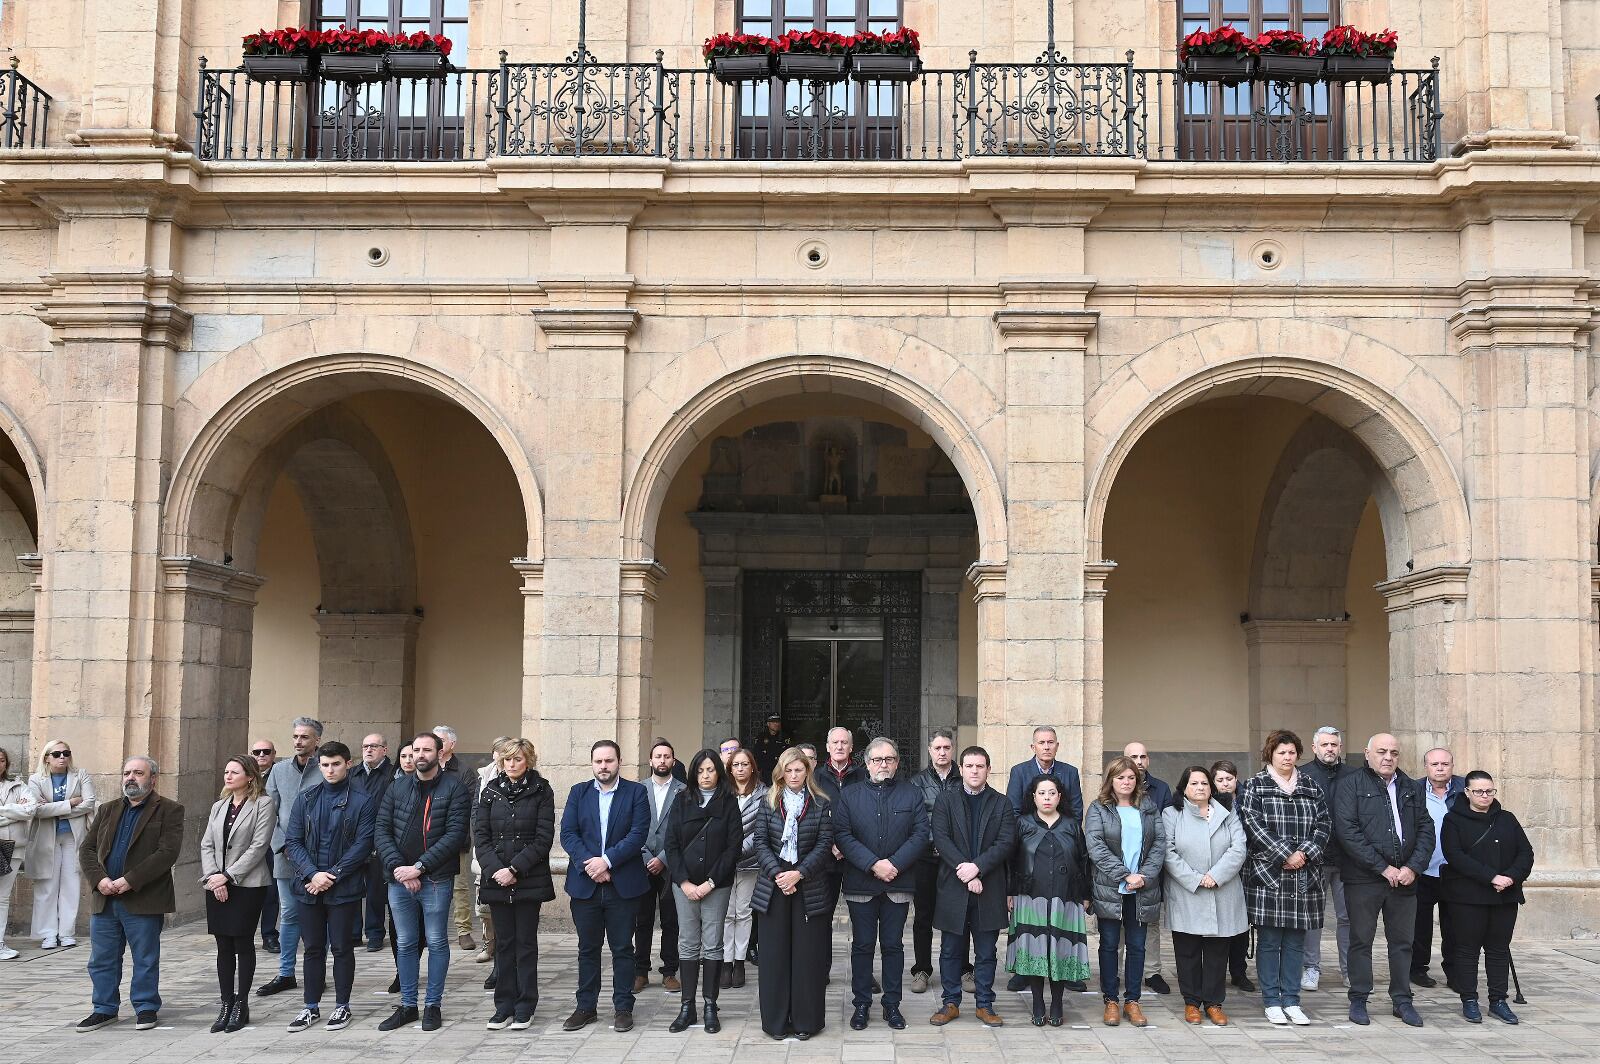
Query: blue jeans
[109,932]
[953,957]
[1111,932]
[288,923]
[884,922]
[1279,955]
[606,917]
[423,914]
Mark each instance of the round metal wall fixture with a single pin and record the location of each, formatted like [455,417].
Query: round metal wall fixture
[813,254]
[1267,254]
[377,256]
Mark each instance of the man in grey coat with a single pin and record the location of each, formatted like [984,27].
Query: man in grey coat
[661,791]
[287,779]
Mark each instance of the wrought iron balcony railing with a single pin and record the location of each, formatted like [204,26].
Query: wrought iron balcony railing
[27,110]
[1049,108]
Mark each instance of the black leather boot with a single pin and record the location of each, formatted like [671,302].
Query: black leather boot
[713,970]
[239,1017]
[738,974]
[689,973]
[222,1017]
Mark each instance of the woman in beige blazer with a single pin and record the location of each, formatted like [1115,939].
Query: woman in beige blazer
[66,802]
[233,870]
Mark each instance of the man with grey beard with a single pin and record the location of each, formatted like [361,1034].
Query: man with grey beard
[127,858]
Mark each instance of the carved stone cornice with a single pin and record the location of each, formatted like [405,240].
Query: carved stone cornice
[1036,327]
[1268,630]
[1440,583]
[124,306]
[642,578]
[196,576]
[586,326]
[33,564]
[1095,575]
[988,581]
[335,625]
[15,621]
[1535,310]
[532,573]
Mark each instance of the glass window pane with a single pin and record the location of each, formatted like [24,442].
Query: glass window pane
[1274,7]
[416,8]
[457,32]
[1314,28]
[1197,7]
[842,9]
[455,8]
[757,9]
[883,25]
[1196,98]
[1314,7]
[803,25]
[844,26]
[1274,24]
[1192,24]
[1236,100]
[799,8]
[763,28]
[884,9]
[332,9]
[375,9]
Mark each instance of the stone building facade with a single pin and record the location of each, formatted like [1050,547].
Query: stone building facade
[535,409]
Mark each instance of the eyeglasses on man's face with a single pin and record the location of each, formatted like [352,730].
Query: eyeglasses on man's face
[891,759]
[374,746]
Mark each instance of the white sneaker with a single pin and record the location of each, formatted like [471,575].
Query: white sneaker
[1296,1016]
[1276,1016]
[1309,978]
[48,942]
[7,953]
[67,941]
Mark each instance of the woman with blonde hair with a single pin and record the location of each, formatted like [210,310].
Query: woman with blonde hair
[234,873]
[794,846]
[745,781]
[66,802]
[513,829]
[17,804]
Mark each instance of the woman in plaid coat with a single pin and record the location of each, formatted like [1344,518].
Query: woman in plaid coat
[1287,825]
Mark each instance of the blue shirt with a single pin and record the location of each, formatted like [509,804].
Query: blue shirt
[605,815]
[1437,808]
[58,793]
[1132,842]
[126,824]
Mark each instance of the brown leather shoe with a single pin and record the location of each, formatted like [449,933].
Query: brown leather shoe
[1191,1014]
[671,984]
[944,1015]
[1215,1014]
[640,982]
[622,1022]
[1134,1013]
[1113,1014]
[988,1018]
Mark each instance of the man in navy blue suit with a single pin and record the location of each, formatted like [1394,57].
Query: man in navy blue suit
[1044,763]
[603,829]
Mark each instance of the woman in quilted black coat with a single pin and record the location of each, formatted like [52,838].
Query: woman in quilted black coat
[1287,825]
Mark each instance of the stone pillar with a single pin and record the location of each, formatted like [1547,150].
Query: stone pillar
[1095,575]
[1298,676]
[367,674]
[1511,66]
[941,650]
[583,432]
[16,687]
[636,659]
[721,650]
[532,576]
[1427,655]
[988,582]
[135,52]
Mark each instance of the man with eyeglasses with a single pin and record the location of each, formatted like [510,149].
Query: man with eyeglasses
[882,828]
[727,748]
[288,780]
[1440,789]
[266,755]
[373,777]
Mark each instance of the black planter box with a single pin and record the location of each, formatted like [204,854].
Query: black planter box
[353,68]
[803,67]
[732,69]
[1228,69]
[280,67]
[885,67]
[1295,68]
[417,64]
[1376,69]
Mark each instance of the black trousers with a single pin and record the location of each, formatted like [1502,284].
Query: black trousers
[605,918]
[236,965]
[792,986]
[516,957]
[323,928]
[1238,955]
[1398,906]
[1422,939]
[658,899]
[1485,928]
[1202,963]
[926,879]
[377,902]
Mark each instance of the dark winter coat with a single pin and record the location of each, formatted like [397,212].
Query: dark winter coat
[703,842]
[1478,847]
[342,852]
[990,850]
[928,782]
[1276,826]
[813,845]
[452,808]
[515,828]
[1363,822]
[1068,878]
[1329,778]
[1103,830]
[879,821]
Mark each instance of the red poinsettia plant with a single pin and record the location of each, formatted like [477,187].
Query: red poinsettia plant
[291,40]
[1347,40]
[813,42]
[420,41]
[730,44]
[346,41]
[903,41]
[1224,41]
[1285,42]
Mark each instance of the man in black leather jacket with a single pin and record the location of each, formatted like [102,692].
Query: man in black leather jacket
[938,777]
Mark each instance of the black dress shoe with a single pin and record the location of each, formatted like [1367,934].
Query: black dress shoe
[394,986]
[622,1022]
[806,1035]
[858,1018]
[489,983]
[685,1018]
[402,1016]
[1078,986]
[877,987]
[375,945]
[579,1019]
[1424,979]
[431,1018]
[891,1016]
[712,1023]
[270,945]
[276,985]
[1243,983]
[1157,985]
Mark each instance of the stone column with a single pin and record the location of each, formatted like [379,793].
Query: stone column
[1298,676]
[16,686]
[941,648]
[636,659]
[1095,575]
[721,650]
[532,576]
[988,582]
[1511,67]
[367,674]
[135,53]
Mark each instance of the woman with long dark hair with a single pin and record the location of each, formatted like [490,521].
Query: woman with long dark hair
[234,873]
[1049,925]
[794,843]
[705,833]
[1225,776]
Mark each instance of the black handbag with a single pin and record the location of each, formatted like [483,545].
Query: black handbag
[7,848]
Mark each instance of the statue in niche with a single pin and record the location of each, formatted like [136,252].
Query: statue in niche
[833,477]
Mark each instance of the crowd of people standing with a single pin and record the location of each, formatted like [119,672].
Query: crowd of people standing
[753,847]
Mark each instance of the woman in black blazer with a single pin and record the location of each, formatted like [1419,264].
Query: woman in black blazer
[705,832]
[794,843]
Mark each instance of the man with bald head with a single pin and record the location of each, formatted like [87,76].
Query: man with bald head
[1386,836]
[1160,792]
[265,753]
[1440,787]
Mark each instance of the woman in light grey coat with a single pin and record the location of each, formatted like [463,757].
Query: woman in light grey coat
[1205,896]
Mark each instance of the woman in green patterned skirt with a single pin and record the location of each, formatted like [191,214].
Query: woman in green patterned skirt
[1049,942]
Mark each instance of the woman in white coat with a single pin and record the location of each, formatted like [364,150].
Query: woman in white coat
[66,802]
[1205,897]
[17,805]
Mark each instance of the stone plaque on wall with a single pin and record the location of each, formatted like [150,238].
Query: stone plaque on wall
[902,470]
[769,468]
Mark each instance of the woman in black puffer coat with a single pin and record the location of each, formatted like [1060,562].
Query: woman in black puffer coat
[794,843]
[513,828]
[705,832]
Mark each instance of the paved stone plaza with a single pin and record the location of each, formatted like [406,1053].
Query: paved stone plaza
[44,994]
